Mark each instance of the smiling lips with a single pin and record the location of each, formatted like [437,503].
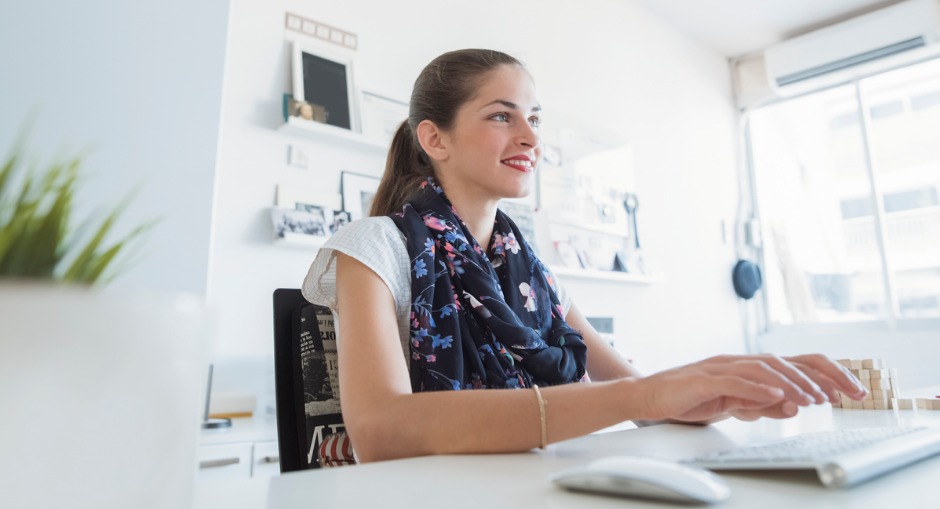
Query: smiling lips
[520,163]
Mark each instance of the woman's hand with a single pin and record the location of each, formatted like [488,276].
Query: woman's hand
[747,387]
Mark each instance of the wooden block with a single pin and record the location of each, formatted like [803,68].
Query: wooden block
[837,403]
[922,403]
[881,405]
[868,404]
[881,383]
[858,405]
[873,363]
[864,374]
[846,401]
[903,403]
[846,363]
[879,373]
[879,394]
[855,363]
[933,404]
[866,383]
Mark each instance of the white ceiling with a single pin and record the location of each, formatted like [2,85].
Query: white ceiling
[738,27]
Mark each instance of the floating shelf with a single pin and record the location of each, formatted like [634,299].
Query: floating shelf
[602,275]
[315,130]
[299,240]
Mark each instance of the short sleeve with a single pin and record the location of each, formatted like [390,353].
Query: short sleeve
[563,297]
[373,241]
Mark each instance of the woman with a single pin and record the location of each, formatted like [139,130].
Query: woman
[438,293]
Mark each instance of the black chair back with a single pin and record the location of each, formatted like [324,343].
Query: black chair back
[306,384]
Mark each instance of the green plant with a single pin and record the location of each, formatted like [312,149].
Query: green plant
[37,239]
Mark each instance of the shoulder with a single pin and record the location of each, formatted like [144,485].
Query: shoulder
[367,230]
[373,241]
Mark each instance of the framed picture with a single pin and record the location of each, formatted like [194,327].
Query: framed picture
[309,226]
[305,110]
[324,80]
[381,116]
[358,191]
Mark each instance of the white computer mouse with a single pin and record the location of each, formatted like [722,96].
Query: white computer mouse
[645,477]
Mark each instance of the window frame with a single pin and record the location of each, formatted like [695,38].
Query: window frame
[760,314]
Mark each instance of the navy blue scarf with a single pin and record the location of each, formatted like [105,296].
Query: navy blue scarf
[478,321]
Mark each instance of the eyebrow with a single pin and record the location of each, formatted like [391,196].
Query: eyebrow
[510,105]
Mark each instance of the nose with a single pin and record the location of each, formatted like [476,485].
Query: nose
[528,135]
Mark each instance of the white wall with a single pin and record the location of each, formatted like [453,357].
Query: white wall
[140,86]
[608,62]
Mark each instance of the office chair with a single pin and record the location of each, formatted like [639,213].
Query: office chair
[310,427]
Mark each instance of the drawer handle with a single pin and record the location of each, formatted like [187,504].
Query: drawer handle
[224,462]
[271,459]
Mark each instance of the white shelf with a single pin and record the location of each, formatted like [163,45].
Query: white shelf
[602,275]
[299,240]
[315,130]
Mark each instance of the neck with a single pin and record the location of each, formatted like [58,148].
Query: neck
[477,213]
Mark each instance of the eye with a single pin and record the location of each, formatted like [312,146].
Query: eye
[535,121]
[500,117]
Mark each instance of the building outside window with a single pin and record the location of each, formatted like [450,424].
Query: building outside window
[847,188]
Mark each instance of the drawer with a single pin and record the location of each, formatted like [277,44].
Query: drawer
[265,460]
[226,461]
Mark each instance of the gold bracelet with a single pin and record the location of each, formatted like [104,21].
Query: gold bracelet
[542,423]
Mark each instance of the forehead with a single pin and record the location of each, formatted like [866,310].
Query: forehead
[508,83]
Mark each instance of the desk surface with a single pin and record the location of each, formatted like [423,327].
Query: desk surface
[520,480]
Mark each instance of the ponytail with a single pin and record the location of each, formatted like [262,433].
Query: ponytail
[405,168]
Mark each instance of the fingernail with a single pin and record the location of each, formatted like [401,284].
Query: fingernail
[821,397]
[789,408]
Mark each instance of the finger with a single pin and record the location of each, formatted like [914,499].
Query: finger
[840,375]
[783,410]
[825,383]
[759,371]
[737,390]
[797,376]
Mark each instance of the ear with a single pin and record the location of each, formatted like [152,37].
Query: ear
[432,140]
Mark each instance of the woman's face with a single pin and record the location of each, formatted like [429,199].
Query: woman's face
[492,149]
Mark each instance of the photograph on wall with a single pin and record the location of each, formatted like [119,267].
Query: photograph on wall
[304,110]
[288,223]
[381,116]
[358,192]
[324,79]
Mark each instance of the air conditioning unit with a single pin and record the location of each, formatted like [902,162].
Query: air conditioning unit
[903,32]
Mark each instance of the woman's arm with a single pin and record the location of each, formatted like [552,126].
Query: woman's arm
[386,420]
[603,362]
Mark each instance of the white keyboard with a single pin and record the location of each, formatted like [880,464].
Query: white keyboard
[841,458]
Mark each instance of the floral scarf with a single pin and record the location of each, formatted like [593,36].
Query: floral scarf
[479,322]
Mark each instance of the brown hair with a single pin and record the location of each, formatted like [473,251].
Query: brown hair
[444,85]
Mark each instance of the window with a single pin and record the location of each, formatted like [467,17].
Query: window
[847,183]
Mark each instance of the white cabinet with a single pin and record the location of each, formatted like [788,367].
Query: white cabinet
[226,461]
[265,460]
[247,449]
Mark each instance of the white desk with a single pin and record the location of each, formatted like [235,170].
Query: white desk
[520,480]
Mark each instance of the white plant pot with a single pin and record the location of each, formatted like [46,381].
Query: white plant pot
[100,397]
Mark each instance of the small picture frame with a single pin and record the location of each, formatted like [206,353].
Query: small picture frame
[358,192]
[568,254]
[324,79]
[306,111]
[381,116]
[308,226]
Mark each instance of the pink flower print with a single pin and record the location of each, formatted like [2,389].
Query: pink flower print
[432,358]
[511,243]
[529,293]
[497,240]
[435,223]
